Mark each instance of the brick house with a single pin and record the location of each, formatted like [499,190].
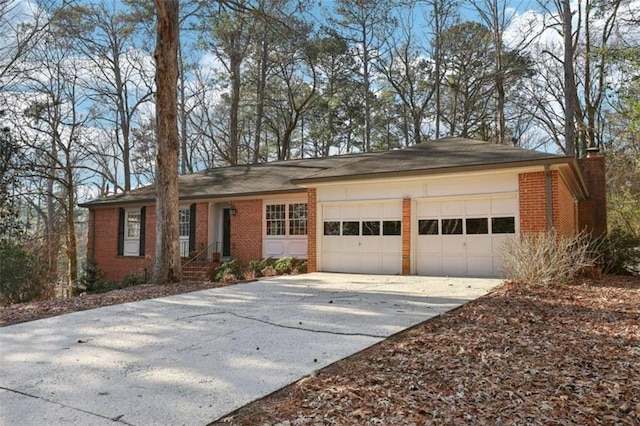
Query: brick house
[443,207]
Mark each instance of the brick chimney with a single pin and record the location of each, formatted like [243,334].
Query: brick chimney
[592,213]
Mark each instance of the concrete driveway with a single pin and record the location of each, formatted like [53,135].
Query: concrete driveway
[192,358]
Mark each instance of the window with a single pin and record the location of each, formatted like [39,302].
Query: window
[286,219]
[133,224]
[183,222]
[332,228]
[503,225]
[370,228]
[298,219]
[276,219]
[477,226]
[428,227]
[452,226]
[350,228]
[391,227]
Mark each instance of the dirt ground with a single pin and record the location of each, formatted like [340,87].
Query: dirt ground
[532,355]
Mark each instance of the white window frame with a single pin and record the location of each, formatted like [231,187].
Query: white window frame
[132,233]
[184,237]
[287,219]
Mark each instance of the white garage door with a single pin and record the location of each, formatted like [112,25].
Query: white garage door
[362,237]
[463,237]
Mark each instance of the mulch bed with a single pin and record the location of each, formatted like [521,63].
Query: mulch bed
[524,355]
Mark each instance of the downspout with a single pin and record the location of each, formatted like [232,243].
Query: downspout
[548,197]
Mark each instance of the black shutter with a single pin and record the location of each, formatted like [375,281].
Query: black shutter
[192,227]
[120,231]
[143,228]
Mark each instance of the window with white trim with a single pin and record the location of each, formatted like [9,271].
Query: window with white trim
[183,222]
[286,219]
[133,224]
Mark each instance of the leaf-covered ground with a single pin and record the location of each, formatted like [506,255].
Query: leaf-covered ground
[565,355]
[22,312]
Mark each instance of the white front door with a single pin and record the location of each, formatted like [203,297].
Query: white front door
[362,237]
[461,237]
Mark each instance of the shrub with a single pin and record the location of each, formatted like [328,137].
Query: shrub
[232,267]
[619,253]
[546,258]
[132,280]
[90,277]
[284,265]
[269,271]
[23,274]
[299,266]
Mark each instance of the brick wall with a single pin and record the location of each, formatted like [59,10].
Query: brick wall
[533,205]
[406,236]
[592,213]
[116,267]
[202,226]
[564,208]
[103,224]
[246,230]
[312,244]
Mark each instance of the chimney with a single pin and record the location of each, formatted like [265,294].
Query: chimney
[593,152]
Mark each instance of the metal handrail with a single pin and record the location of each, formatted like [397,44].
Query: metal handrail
[199,254]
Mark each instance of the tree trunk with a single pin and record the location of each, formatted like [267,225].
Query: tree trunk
[167,267]
[570,94]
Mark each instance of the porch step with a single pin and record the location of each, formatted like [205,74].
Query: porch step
[197,270]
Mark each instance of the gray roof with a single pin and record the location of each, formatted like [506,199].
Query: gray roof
[439,156]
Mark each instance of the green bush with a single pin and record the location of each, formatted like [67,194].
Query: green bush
[90,277]
[284,265]
[231,267]
[619,253]
[23,275]
[132,280]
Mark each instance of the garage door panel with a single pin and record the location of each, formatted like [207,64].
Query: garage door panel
[391,211]
[372,263]
[477,244]
[391,244]
[430,265]
[454,265]
[477,207]
[452,208]
[503,206]
[390,263]
[481,266]
[331,212]
[431,209]
[453,244]
[429,244]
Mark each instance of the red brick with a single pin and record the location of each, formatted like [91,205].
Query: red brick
[312,215]
[246,230]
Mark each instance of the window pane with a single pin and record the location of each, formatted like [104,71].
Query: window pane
[451,226]
[350,228]
[183,222]
[391,227]
[477,226]
[276,219]
[133,224]
[332,228]
[298,219]
[503,225]
[428,227]
[370,228]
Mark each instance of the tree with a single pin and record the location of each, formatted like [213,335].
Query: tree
[365,23]
[167,267]
[120,76]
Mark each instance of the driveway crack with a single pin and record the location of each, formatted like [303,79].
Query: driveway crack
[117,419]
[291,327]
